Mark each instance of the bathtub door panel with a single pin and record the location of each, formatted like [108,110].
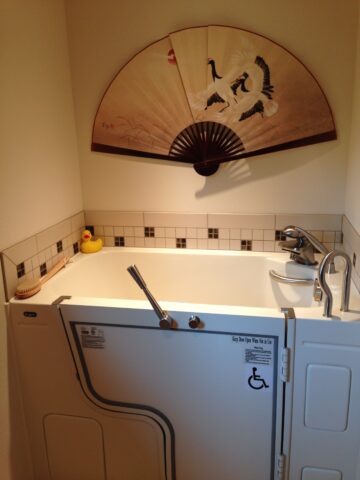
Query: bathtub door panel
[215,392]
[326,417]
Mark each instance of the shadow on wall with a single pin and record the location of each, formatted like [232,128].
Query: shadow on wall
[239,172]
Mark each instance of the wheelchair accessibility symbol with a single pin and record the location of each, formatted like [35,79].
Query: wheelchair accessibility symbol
[255,381]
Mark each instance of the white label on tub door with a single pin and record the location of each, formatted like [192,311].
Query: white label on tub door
[92,337]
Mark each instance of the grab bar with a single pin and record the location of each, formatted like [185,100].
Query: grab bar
[290,280]
[165,320]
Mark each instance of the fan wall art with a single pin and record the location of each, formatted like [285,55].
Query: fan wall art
[210,95]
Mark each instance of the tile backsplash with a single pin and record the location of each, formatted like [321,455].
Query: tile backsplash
[207,231]
[33,258]
[36,255]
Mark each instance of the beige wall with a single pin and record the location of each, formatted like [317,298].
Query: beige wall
[352,206]
[38,147]
[40,178]
[104,35]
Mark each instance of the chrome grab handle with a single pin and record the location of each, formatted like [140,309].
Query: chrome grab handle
[345,294]
[165,319]
[290,280]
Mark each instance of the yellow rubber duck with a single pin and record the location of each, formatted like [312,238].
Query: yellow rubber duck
[88,245]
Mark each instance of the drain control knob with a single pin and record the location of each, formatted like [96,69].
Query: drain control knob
[194,322]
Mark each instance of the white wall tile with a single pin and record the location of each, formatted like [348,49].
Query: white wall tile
[191,233]
[229,220]
[170,243]
[53,234]
[258,246]
[119,231]
[213,244]
[191,243]
[269,235]
[258,234]
[159,219]
[139,242]
[310,221]
[246,234]
[180,232]
[224,233]
[235,244]
[170,232]
[113,218]
[235,233]
[149,242]
[22,250]
[224,244]
[202,233]
[202,243]
[108,231]
[160,232]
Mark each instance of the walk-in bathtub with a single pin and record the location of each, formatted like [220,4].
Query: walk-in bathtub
[108,394]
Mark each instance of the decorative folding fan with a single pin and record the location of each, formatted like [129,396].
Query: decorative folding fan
[209,95]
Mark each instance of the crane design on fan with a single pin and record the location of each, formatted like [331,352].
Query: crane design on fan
[210,95]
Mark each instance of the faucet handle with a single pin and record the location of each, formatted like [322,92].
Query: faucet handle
[165,320]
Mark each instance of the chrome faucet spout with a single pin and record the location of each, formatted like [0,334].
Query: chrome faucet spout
[345,294]
[302,246]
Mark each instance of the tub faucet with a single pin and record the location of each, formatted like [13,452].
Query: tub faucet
[303,245]
[345,294]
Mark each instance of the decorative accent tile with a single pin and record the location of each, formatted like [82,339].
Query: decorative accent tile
[91,229]
[119,241]
[59,246]
[20,269]
[181,243]
[213,233]
[76,248]
[43,269]
[148,231]
[280,235]
[246,244]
